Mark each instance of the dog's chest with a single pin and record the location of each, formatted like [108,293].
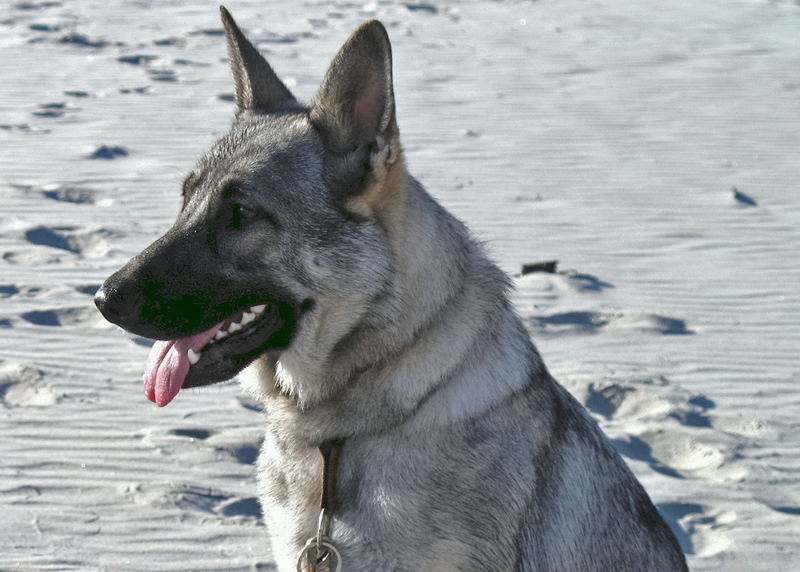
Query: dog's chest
[392,504]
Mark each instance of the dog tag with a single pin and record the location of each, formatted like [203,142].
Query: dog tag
[319,556]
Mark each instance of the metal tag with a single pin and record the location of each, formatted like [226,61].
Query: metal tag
[319,555]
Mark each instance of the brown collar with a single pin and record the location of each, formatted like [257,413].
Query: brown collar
[319,553]
[329,451]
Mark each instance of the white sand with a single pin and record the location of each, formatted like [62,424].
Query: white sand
[604,134]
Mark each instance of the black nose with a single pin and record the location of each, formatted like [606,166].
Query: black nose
[118,304]
[100,298]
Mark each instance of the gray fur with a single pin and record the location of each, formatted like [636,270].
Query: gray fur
[461,452]
[256,85]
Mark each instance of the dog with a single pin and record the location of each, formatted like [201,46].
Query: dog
[366,316]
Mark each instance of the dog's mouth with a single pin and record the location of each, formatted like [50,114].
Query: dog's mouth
[217,354]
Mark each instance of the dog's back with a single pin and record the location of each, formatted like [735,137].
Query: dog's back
[591,513]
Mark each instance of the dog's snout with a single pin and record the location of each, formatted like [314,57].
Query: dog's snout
[118,303]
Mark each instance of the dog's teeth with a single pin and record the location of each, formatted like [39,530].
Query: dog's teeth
[247,317]
[220,334]
[193,357]
[234,327]
[258,309]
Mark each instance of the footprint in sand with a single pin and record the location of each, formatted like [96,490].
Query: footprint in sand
[646,398]
[617,401]
[180,42]
[141,90]
[141,341]
[678,454]
[22,291]
[184,445]
[208,32]
[24,128]
[108,152]
[84,41]
[588,322]
[544,277]
[200,502]
[44,27]
[785,501]
[740,425]
[57,109]
[8,290]
[86,243]
[656,404]
[195,445]
[199,434]
[88,289]
[190,63]
[31,292]
[547,286]
[164,75]
[24,494]
[33,258]
[245,453]
[137,59]
[26,6]
[700,530]
[584,282]
[634,448]
[22,386]
[76,195]
[681,455]
[63,193]
[74,316]
[250,404]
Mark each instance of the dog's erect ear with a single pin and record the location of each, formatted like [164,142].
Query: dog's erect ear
[257,86]
[355,104]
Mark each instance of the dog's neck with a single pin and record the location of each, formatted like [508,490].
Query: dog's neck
[408,352]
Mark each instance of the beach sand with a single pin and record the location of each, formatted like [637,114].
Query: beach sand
[607,135]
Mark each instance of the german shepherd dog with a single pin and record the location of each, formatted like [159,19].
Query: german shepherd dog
[366,314]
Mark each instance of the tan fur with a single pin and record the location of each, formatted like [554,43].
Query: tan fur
[384,194]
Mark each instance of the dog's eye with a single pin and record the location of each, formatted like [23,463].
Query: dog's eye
[241,216]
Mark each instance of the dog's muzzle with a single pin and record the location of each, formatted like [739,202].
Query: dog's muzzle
[119,305]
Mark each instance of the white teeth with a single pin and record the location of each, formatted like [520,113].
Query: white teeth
[193,357]
[246,318]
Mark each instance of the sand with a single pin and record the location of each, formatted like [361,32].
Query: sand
[607,135]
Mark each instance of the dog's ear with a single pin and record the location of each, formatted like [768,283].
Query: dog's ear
[355,104]
[257,86]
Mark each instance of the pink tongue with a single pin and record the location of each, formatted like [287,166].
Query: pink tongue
[168,364]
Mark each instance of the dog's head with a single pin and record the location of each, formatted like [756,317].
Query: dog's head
[281,220]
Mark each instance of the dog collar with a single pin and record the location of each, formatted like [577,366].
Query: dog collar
[319,553]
